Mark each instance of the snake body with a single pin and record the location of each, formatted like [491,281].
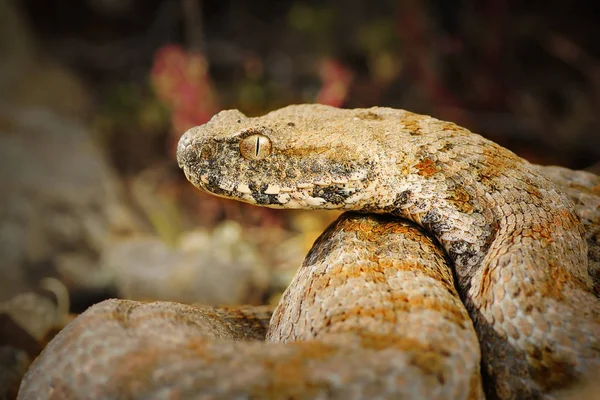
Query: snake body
[373,312]
[518,248]
[382,327]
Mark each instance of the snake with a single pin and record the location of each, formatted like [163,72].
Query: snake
[459,270]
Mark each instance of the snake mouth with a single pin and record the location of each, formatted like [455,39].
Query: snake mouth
[279,180]
[340,194]
[303,195]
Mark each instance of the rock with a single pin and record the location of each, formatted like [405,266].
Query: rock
[210,267]
[60,202]
[27,321]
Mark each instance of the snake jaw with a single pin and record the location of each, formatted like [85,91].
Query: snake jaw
[219,163]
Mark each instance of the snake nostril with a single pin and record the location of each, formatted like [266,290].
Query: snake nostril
[206,152]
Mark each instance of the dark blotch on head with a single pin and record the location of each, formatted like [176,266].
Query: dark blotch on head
[213,186]
[341,169]
[258,193]
[331,194]
[254,188]
[265,199]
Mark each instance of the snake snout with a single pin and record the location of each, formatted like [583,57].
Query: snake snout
[189,146]
[182,147]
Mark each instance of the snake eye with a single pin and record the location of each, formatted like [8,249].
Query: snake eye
[255,147]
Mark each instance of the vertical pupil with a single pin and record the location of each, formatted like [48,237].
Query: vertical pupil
[257,145]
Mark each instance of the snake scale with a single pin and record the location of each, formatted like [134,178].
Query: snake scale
[374,311]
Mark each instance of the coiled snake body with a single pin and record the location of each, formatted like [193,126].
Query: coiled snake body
[373,311]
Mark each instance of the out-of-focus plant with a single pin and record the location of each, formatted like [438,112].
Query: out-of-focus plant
[336,79]
[316,21]
[182,83]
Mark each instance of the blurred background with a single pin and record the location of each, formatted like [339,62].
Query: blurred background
[94,95]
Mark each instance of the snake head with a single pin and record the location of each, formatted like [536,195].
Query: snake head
[275,162]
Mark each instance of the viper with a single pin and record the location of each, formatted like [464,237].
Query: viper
[517,246]
[459,271]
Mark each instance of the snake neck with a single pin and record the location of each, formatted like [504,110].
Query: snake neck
[489,211]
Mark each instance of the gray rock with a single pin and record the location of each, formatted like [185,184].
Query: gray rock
[59,201]
[210,267]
